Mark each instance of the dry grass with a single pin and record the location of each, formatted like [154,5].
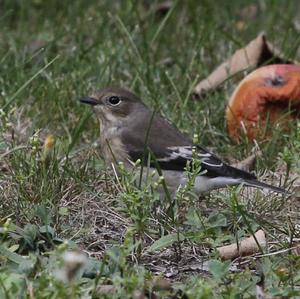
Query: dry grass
[53,53]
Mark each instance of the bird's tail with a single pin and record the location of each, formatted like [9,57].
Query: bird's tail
[258,184]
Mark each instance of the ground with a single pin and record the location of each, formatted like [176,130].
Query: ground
[68,227]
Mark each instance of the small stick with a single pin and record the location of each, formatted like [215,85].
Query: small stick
[246,247]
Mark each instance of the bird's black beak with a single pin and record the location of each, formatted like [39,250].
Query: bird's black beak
[89,100]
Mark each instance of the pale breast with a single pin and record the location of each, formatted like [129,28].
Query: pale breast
[112,150]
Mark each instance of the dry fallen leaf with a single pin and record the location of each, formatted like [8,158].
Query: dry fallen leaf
[247,164]
[246,247]
[258,52]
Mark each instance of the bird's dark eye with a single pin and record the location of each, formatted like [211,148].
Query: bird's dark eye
[114,100]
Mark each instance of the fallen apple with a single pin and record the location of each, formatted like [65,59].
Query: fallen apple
[268,96]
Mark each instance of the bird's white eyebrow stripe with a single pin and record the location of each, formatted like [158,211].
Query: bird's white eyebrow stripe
[186,152]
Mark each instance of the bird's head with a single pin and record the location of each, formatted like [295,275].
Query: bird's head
[113,103]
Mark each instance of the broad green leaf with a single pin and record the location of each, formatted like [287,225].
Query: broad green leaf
[12,283]
[166,241]
[12,256]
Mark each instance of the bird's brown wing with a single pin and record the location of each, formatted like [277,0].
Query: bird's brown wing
[172,149]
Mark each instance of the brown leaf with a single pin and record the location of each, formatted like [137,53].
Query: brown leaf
[259,51]
[246,247]
[248,163]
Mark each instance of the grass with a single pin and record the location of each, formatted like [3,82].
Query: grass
[60,197]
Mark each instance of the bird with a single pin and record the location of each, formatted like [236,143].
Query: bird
[267,96]
[130,131]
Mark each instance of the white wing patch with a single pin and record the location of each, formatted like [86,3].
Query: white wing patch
[186,152]
[212,165]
